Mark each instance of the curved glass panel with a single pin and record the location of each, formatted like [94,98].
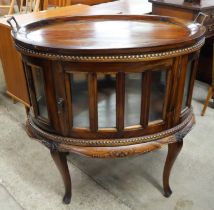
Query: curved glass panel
[80,105]
[39,85]
[106,85]
[157,95]
[186,85]
[133,99]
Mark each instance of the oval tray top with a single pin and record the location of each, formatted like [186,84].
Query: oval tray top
[108,34]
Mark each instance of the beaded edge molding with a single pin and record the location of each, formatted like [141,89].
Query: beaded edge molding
[188,122]
[115,58]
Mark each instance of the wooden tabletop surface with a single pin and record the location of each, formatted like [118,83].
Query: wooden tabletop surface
[116,7]
[106,33]
[135,7]
[205,4]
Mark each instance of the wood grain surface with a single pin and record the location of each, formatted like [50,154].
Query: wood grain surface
[87,35]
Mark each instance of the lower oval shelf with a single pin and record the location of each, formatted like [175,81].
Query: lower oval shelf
[104,148]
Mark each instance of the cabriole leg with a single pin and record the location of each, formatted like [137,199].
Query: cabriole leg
[209,96]
[173,151]
[61,163]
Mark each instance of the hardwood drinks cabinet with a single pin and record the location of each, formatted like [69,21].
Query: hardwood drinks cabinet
[109,86]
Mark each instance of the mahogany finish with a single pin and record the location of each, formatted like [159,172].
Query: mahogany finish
[61,163]
[173,151]
[63,34]
[110,85]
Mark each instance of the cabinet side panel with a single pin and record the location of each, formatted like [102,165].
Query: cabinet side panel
[12,67]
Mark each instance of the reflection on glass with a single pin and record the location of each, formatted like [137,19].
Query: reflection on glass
[80,105]
[132,99]
[38,80]
[106,84]
[186,85]
[158,90]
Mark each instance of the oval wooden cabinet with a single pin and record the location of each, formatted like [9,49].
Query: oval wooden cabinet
[109,86]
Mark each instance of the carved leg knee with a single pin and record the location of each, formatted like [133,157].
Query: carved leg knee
[61,163]
[173,151]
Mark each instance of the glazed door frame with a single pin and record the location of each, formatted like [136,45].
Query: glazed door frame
[121,69]
[52,123]
[59,98]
